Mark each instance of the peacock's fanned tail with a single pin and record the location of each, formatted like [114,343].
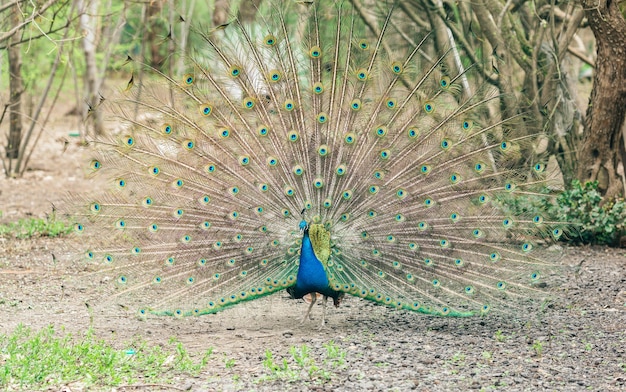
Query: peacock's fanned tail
[384,145]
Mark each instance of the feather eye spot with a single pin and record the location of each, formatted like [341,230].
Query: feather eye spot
[385,154]
[446,144]
[120,183]
[188,79]
[539,167]
[495,257]
[413,132]
[153,228]
[205,225]
[263,187]
[95,165]
[341,170]
[248,103]
[206,110]
[509,187]
[372,214]
[363,44]
[459,262]
[327,203]
[429,107]
[244,160]
[262,130]
[425,169]
[444,82]
[467,125]
[129,141]
[272,161]
[428,262]
[318,183]
[350,138]
[289,105]
[347,194]
[323,150]
[275,76]
[391,103]
[269,40]
[315,52]
[322,118]
[455,178]
[355,104]
[362,74]
[401,194]
[298,170]
[235,71]
[318,88]
[293,136]
[397,67]
[381,131]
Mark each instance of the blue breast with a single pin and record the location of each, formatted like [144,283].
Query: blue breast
[311,276]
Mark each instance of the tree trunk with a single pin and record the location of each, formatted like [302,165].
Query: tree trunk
[88,13]
[601,155]
[16,88]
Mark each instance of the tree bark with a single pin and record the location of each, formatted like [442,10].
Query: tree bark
[87,25]
[16,88]
[601,155]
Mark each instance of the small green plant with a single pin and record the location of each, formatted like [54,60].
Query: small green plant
[594,222]
[229,362]
[31,227]
[538,347]
[46,359]
[500,337]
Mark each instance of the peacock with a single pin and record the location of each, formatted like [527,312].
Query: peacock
[324,149]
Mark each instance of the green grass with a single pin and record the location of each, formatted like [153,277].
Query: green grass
[32,227]
[303,366]
[46,359]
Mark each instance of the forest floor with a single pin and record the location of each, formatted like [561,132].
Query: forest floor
[578,342]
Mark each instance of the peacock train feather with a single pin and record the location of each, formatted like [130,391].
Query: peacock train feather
[317,155]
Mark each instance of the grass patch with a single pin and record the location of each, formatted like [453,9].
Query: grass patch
[45,359]
[302,365]
[33,227]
